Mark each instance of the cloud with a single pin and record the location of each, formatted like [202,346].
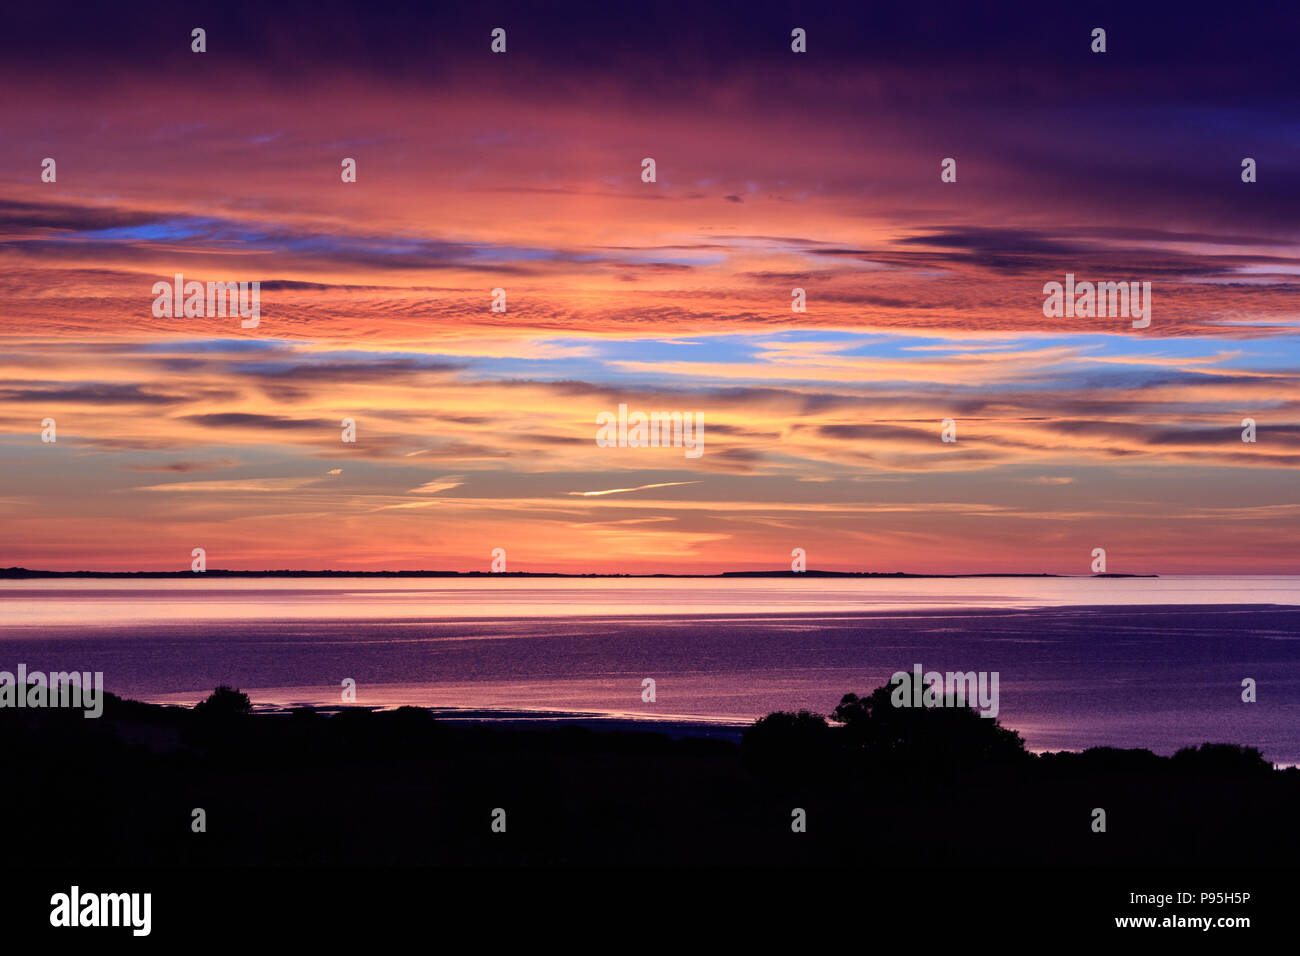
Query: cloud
[96,394]
[444,483]
[234,485]
[251,420]
[212,464]
[619,491]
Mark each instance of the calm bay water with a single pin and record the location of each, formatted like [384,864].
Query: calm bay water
[1083,662]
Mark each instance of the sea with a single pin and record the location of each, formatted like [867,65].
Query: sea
[1160,663]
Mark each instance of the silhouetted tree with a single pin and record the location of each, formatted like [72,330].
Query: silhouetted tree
[785,743]
[876,729]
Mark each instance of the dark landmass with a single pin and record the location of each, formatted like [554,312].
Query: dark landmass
[18,573]
[882,788]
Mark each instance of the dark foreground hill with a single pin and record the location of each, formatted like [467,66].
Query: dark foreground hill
[878,787]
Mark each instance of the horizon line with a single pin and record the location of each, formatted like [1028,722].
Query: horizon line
[18,573]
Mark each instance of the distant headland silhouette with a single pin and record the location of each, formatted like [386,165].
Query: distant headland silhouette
[16,573]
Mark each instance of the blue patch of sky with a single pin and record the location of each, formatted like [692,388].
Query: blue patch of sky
[601,362]
[184,346]
[181,228]
[166,230]
[1275,353]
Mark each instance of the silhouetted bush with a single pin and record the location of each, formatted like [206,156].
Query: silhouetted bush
[1222,760]
[1102,761]
[304,716]
[224,702]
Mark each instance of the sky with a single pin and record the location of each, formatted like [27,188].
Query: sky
[774,171]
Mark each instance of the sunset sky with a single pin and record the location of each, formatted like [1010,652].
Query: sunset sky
[775,170]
